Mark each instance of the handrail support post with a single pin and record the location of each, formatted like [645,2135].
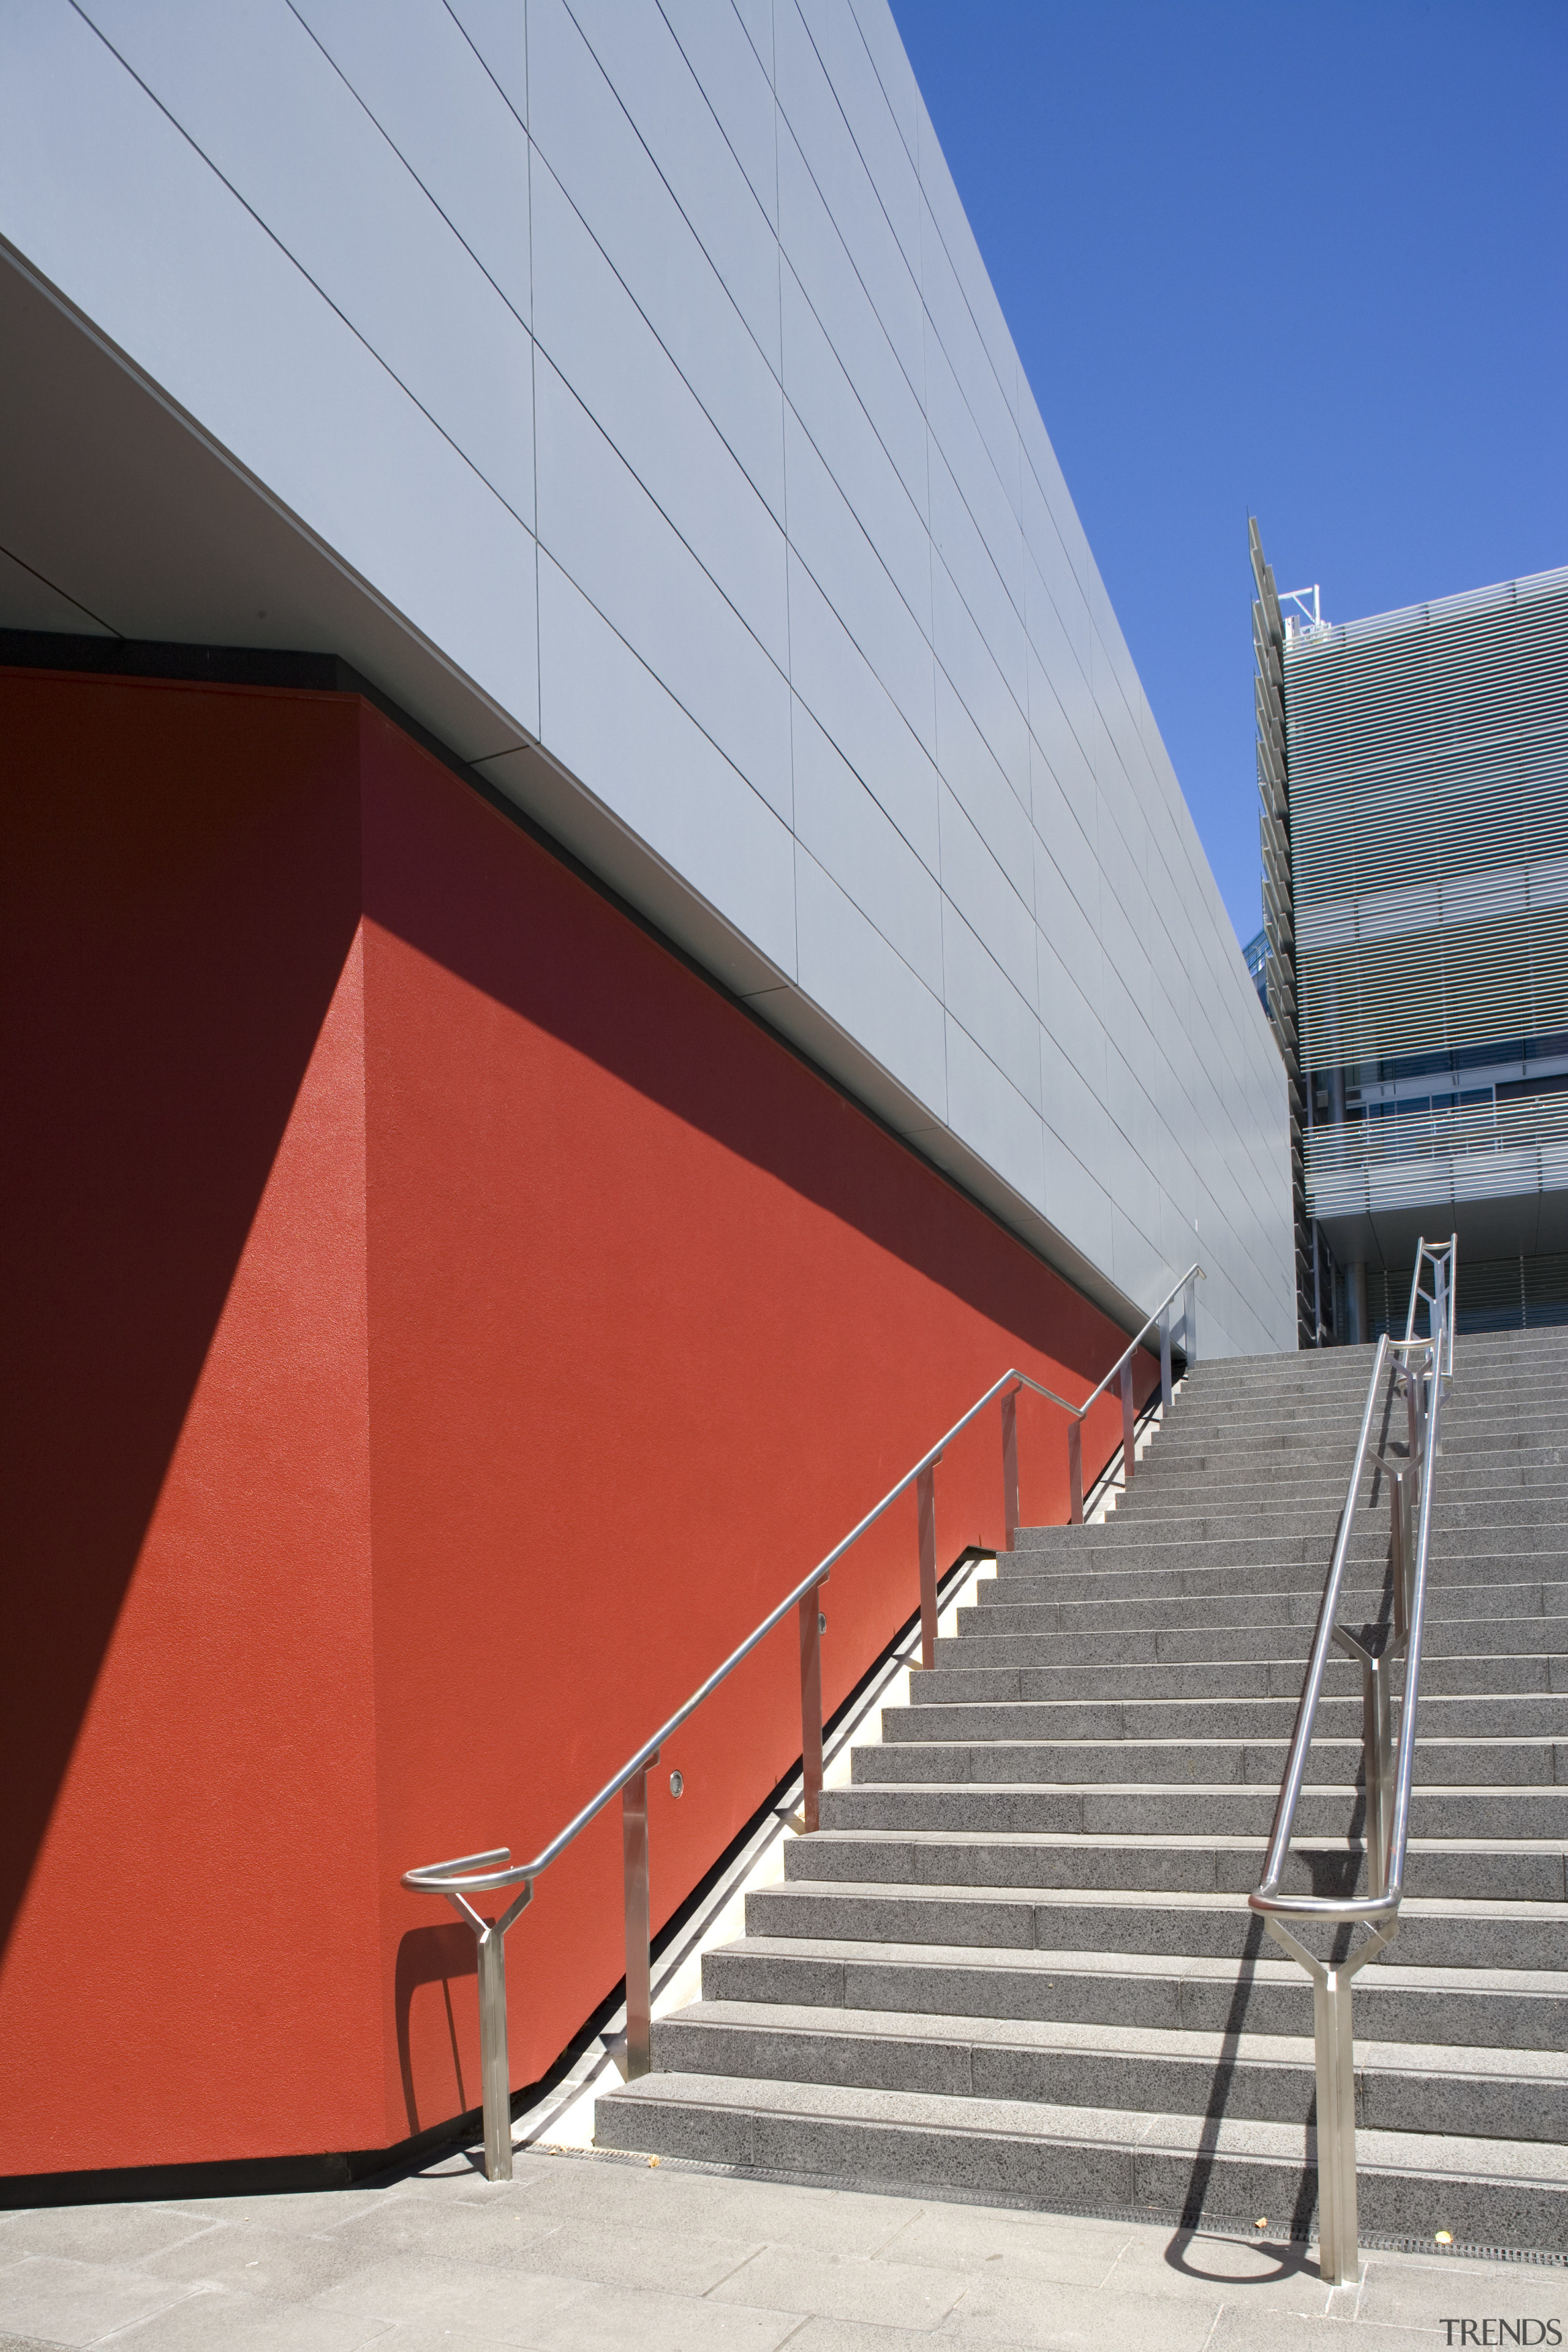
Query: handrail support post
[1129,1424]
[1377,1747]
[1400,1541]
[811,1709]
[925,1510]
[1338,2222]
[640,1962]
[1165,1358]
[1010,1468]
[495,2065]
[1339,2254]
[1075,1474]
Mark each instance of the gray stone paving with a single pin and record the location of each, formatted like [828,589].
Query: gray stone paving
[584,2253]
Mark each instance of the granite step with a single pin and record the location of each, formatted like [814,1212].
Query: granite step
[957,1684]
[1482,2008]
[1178,2166]
[1500,1869]
[1505,1594]
[1432,1933]
[1446,1763]
[1479,1716]
[983,1640]
[1254,2077]
[1185,1809]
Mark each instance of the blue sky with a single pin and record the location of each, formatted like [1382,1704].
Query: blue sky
[1311,260]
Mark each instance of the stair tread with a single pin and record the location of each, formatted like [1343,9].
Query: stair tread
[1418,1906]
[1514,1983]
[1502,2161]
[1153,2042]
[1232,1841]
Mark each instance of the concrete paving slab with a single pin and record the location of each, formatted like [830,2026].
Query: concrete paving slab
[244,2258]
[1184,2266]
[95,2233]
[663,2199]
[312,2210]
[74,2303]
[862,2336]
[1415,2293]
[1240,2329]
[846,2286]
[610,2319]
[1018,2245]
[1035,2312]
[515,2306]
[683,2261]
[504,2230]
[222,2322]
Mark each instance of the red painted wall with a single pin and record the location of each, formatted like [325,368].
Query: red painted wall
[446,1326]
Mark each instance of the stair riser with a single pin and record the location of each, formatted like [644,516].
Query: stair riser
[1474,1875]
[1492,1717]
[1163,1578]
[1250,1542]
[1475,1422]
[1071,2174]
[1502,1438]
[1221,1763]
[1175,1931]
[1195,1613]
[1248,2092]
[1208,1812]
[1261,1533]
[982,1643]
[952,1685]
[1217,1461]
[1147,1517]
[1066,2175]
[1175,2003]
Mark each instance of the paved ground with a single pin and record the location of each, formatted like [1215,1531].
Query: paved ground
[584,2253]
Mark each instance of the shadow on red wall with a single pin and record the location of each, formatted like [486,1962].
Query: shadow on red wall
[434,1957]
[180,896]
[444,874]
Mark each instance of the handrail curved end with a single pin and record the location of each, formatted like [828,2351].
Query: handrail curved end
[1326,1907]
[466,1874]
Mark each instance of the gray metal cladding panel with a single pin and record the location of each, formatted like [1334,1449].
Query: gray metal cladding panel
[1428,754]
[637,358]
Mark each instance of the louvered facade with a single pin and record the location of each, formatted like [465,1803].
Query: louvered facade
[1424,759]
[1274,975]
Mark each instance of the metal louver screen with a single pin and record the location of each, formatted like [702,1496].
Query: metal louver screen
[1428,761]
[1485,1152]
[1504,1294]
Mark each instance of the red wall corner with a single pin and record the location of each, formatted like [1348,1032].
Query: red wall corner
[188,1864]
[443,1326]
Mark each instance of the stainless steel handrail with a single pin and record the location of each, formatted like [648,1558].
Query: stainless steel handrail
[494,1871]
[1423,1369]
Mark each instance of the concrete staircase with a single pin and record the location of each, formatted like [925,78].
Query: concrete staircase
[1017,1957]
